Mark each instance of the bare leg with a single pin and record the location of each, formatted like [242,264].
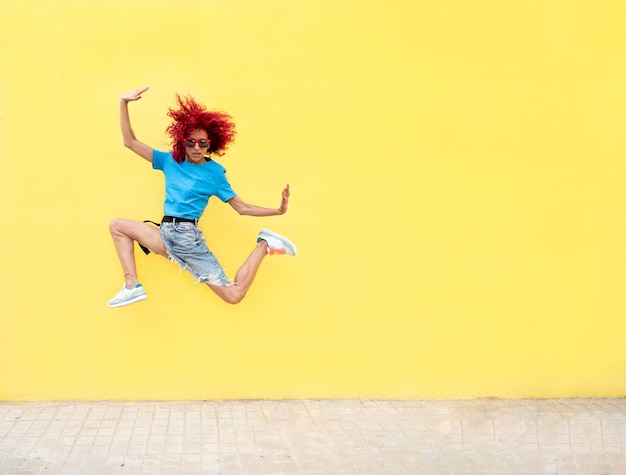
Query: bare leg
[244,277]
[124,233]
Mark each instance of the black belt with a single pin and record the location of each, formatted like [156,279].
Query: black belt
[174,219]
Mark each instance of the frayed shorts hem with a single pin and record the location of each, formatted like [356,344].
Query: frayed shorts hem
[186,246]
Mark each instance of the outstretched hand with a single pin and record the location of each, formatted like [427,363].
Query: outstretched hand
[284,204]
[134,95]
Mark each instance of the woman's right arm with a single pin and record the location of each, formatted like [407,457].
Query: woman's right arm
[130,140]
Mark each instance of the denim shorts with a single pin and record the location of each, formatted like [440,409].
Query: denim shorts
[186,246]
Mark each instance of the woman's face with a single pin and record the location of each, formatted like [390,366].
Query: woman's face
[196,146]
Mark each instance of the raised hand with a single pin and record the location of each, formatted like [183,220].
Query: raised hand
[284,204]
[134,95]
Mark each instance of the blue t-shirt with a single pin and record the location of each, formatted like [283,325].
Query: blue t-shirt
[188,187]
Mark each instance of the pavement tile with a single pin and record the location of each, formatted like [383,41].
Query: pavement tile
[315,437]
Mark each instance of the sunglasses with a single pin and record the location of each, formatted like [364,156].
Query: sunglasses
[202,143]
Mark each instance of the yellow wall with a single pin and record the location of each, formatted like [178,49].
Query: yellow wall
[458,198]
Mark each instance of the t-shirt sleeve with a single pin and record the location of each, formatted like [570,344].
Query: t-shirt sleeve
[158,158]
[224,190]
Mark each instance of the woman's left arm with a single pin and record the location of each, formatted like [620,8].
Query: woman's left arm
[244,208]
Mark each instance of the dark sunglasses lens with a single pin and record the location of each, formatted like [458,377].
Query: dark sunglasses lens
[192,142]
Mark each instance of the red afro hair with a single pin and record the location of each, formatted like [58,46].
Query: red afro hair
[191,115]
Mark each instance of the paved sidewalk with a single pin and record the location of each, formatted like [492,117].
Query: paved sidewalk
[555,436]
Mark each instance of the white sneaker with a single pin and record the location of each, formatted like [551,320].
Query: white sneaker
[128,296]
[277,244]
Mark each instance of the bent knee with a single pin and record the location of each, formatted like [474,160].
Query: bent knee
[115,225]
[230,294]
[123,226]
[233,299]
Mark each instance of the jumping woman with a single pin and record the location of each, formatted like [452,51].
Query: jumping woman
[191,178]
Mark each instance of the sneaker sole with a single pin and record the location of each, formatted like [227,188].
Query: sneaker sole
[283,239]
[128,302]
